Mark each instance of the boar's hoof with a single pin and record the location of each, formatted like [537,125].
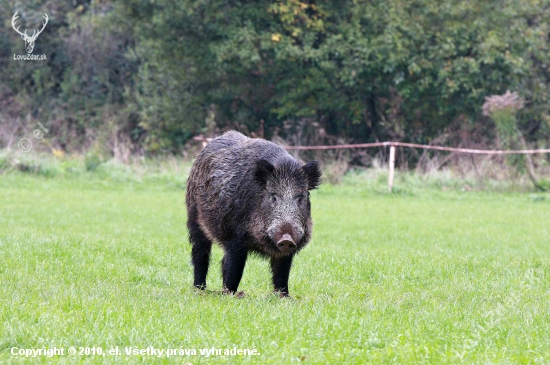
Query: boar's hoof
[281,294]
[286,244]
[237,295]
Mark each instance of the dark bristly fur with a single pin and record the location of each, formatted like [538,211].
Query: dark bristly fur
[248,195]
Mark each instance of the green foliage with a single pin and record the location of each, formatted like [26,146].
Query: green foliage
[365,70]
[505,121]
[506,125]
[92,161]
[544,184]
[87,73]
[46,167]
[94,158]
[148,73]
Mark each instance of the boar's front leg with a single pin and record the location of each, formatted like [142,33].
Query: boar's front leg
[232,267]
[200,252]
[280,267]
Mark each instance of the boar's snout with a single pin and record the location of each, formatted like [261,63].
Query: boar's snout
[286,244]
[286,237]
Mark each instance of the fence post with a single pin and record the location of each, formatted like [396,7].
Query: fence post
[392,167]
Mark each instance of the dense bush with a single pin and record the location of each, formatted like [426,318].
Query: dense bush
[140,76]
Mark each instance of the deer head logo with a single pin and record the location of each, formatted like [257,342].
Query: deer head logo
[29,40]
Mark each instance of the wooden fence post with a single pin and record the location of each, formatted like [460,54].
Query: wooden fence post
[392,167]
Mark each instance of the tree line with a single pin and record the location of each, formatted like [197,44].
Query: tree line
[150,75]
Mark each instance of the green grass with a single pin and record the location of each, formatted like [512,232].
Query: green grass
[423,275]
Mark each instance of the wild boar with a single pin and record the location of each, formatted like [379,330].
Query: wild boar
[250,196]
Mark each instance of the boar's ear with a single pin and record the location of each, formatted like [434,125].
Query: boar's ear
[313,173]
[262,171]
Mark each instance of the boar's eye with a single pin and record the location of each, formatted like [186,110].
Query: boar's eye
[273,197]
[300,198]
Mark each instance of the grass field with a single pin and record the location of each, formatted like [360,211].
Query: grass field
[417,277]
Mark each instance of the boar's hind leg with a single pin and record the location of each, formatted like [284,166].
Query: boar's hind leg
[200,253]
[232,267]
[280,267]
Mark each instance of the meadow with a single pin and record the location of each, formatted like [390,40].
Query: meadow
[425,275]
